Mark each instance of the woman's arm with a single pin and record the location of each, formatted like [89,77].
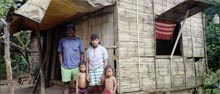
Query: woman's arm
[87,70]
[105,58]
[103,73]
[105,62]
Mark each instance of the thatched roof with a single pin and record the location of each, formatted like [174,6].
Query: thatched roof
[49,13]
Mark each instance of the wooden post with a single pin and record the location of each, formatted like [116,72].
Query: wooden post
[205,46]
[8,59]
[155,41]
[54,57]
[47,58]
[41,66]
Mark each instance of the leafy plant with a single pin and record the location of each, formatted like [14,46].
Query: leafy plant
[18,63]
[213,35]
[212,80]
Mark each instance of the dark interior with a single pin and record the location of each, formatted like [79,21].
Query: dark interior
[164,47]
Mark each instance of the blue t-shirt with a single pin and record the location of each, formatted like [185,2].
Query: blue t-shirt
[71,49]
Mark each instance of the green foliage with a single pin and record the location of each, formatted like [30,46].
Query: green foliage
[4,6]
[211,83]
[21,38]
[213,35]
[212,80]
[18,63]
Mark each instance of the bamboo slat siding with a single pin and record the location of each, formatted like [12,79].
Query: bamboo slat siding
[185,72]
[103,25]
[118,33]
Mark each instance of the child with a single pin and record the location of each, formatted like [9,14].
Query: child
[81,83]
[110,81]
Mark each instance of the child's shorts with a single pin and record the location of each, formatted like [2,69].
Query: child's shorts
[107,91]
[82,90]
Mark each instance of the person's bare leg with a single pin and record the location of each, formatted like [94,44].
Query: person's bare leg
[66,89]
[94,90]
[99,89]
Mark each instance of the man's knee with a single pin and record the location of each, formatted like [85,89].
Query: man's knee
[66,84]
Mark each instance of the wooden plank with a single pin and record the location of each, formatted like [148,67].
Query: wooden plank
[53,63]
[41,65]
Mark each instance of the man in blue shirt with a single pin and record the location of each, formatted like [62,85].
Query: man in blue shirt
[71,52]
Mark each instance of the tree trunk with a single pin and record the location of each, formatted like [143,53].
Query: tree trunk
[8,59]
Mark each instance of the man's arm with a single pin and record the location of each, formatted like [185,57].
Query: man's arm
[61,57]
[82,56]
[81,48]
[60,50]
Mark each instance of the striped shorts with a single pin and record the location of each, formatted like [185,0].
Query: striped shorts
[95,76]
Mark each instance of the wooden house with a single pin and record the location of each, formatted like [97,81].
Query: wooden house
[145,63]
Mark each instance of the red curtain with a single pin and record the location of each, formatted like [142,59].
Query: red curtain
[164,30]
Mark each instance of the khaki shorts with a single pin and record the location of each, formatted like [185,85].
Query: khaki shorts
[69,74]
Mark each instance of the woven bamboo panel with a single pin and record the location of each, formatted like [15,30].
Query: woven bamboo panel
[193,40]
[200,71]
[103,25]
[180,74]
[163,73]
[148,73]
[190,72]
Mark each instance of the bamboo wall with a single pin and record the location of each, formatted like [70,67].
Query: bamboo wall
[100,22]
[156,74]
[145,72]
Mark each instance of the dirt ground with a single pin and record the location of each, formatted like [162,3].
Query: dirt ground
[27,89]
